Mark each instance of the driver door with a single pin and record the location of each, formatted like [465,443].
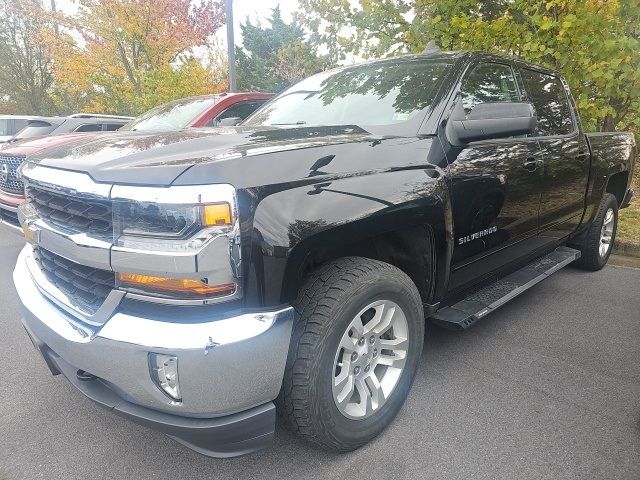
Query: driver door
[495,185]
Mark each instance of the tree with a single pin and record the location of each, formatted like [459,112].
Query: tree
[595,44]
[275,56]
[127,56]
[25,67]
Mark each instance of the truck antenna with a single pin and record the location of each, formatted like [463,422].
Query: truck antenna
[432,47]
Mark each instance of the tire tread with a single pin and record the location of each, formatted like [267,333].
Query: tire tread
[319,294]
[589,249]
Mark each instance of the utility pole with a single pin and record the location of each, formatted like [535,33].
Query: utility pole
[53,9]
[231,49]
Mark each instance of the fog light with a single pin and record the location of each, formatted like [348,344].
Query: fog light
[164,372]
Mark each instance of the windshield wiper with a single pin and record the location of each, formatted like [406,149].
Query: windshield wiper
[299,122]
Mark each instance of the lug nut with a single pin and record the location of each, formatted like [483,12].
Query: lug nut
[367,368]
[354,356]
[356,370]
[375,352]
[372,339]
[361,341]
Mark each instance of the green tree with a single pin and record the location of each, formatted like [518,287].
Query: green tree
[275,56]
[25,67]
[595,44]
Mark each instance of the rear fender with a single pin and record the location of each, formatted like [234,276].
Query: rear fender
[611,154]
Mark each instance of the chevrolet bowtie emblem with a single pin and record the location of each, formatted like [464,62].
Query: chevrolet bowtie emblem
[31,233]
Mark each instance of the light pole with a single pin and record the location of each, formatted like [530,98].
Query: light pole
[53,9]
[231,51]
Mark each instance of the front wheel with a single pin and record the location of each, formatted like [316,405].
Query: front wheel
[598,241]
[355,349]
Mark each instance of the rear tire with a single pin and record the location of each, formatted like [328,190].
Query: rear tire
[598,241]
[360,328]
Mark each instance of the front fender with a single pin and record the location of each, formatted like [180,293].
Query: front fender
[290,225]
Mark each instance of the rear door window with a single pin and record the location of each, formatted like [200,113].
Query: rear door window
[239,110]
[112,127]
[550,100]
[489,83]
[89,127]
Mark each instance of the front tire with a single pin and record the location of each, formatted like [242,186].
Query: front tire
[354,352]
[598,242]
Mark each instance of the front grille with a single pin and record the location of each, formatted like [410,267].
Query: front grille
[8,180]
[9,217]
[86,287]
[90,216]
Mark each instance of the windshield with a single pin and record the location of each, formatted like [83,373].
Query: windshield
[378,94]
[173,115]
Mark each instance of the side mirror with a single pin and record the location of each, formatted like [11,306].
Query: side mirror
[227,122]
[491,120]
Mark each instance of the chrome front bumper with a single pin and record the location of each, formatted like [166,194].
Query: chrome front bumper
[227,363]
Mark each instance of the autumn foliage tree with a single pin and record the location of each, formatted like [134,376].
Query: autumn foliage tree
[127,56]
[595,44]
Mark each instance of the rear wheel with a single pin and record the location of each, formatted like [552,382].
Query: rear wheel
[598,242]
[355,349]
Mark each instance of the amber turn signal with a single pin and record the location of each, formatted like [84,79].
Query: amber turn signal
[216,214]
[175,285]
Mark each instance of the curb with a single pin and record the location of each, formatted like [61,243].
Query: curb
[629,249]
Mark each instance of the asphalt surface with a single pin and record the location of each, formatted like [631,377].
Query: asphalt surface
[546,388]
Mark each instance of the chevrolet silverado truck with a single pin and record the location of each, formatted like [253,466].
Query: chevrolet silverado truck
[191,112]
[198,282]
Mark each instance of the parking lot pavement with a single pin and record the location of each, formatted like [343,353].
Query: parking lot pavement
[547,387]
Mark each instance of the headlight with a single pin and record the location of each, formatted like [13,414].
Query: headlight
[175,219]
[176,228]
[178,221]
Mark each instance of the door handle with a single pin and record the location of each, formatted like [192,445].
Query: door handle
[531,164]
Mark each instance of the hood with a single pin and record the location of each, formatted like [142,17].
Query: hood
[31,146]
[159,158]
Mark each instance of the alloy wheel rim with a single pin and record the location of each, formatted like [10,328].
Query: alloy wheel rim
[606,234]
[370,359]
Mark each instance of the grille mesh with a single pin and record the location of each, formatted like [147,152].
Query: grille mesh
[87,287]
[10,164]
[93,217]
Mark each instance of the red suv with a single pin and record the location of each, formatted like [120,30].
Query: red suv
[203,111]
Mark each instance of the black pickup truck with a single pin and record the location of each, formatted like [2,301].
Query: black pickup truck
[195,281]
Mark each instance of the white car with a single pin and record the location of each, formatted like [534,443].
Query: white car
[12,124]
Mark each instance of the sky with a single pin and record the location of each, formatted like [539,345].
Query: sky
[258,10]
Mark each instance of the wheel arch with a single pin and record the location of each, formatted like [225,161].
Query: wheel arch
[411,249]
[400,217]
[617,185]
